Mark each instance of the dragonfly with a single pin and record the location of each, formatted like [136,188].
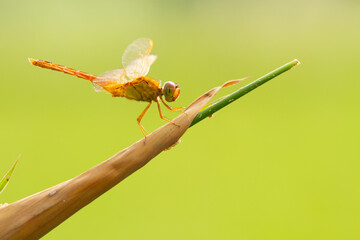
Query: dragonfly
[130,81]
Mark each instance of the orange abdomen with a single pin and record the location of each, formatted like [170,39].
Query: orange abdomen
[60,68]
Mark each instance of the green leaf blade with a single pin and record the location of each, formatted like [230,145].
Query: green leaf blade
[5,180]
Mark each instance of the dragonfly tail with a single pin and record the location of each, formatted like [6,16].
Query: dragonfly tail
[61,68]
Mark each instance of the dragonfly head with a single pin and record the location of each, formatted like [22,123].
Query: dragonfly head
[171,91]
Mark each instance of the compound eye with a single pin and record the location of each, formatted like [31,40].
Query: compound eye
[169,85]
[171,91]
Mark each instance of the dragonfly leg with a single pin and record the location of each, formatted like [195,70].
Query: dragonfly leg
[170,108]
[140,117]
[161,116]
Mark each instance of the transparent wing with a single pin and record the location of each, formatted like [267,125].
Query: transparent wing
[137,49]
[97,86]
[108,78]
[137,59]
[140,66]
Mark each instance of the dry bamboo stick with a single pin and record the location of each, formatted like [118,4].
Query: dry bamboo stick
[36,215]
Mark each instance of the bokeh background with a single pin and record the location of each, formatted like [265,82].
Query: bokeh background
[281,163]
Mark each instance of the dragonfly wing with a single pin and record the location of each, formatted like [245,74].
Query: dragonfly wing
[117,75]
[97,87]
[108,78]
[151,59]
[140,66]
[99,83]
[137,59]
[137,49]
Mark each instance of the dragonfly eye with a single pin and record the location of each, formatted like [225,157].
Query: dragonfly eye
[171,91]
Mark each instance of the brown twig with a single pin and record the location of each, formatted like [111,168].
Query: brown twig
[36,215]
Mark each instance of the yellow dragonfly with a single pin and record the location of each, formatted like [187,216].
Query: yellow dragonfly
[130,81]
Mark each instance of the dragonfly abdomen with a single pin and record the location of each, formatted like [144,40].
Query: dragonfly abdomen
[61,68]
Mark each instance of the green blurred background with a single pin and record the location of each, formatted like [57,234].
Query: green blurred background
[281,163]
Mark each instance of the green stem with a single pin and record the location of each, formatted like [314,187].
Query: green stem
[242,91]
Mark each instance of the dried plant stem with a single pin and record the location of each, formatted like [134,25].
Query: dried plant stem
[34,216]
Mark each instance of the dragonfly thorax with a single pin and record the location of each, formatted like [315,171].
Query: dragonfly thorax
[170,91]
